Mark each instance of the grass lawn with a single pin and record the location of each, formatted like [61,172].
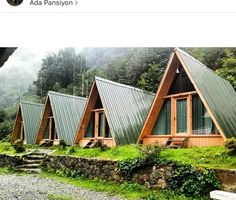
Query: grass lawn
[212,157]
[7,148]
[125,190]
[116,153]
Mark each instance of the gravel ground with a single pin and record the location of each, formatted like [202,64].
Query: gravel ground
[33,187]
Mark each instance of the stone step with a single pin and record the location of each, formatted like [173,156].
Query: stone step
[26,161]
[28,170]
[29,166]
[37,153]
[34,157]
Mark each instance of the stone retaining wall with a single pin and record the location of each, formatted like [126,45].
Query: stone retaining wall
[9,160]
[151,177]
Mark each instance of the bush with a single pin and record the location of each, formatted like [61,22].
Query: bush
[62,145]
[188,180]
[230,144]
[19,147]
[71,150]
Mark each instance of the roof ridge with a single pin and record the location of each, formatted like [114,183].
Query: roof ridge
[122,85]
[186,54]
[32,103]
[67,95]
[191,57]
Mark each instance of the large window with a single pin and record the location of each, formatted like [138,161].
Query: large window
[98,126]
[201,120]
[162,125]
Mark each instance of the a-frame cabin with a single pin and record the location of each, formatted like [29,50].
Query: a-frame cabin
[60,118]
[193,106]
[114,114]
[27,122]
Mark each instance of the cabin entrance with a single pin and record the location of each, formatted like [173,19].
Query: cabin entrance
[181,116]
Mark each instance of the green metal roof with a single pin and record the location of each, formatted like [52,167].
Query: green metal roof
[216,91]
[31,115]
[67,111]
[126,109]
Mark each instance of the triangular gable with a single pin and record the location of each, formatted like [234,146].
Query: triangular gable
[125,108]
[30,114]
[67,111]
[217,95]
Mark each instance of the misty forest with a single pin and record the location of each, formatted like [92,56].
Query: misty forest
[72,71]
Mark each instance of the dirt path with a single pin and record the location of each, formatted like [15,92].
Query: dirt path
[33,187]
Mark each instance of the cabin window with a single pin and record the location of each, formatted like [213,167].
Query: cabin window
[162,125]
[90,129]
[98,126]
[201,120]
[21,134]
[46,134]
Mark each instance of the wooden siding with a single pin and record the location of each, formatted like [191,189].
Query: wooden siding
[110,142]
[87,113]
[158,101]
[194,141]
[44,121]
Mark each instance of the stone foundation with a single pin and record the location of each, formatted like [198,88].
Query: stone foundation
[9,160]
[151,177]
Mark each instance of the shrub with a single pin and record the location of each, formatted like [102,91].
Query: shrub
[191,181]
[71,150]
[19,147]
[62,144]
[230,144]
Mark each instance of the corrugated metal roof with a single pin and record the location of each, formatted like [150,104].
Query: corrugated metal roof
[67,111]
[216,91]
[125,107]
[31,115]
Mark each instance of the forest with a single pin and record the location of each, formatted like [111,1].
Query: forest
[72,72]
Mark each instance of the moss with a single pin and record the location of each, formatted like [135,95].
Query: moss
[210,157]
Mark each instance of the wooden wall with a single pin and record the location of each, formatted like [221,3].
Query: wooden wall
[194,141]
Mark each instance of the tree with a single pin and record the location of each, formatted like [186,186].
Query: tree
[228,70]
[150,80]
[60,71]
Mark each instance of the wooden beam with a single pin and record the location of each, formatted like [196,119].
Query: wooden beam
[90,105]
[17,125]
[44,121]
[158,100]
[201,96]
[180,94]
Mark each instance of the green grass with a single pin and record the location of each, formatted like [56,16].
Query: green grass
[59,197]
[125,190]
[4,170]
[6,148]
[115,153]
[211,157]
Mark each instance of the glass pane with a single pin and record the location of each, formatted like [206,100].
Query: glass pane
[162,125]
[101,124]
[46,133]
[90,129]
[201,122]
[107,130]
[181,116]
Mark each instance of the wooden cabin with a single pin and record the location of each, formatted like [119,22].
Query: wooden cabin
[193,107]
[114,114]
[27,122]
[60,118]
